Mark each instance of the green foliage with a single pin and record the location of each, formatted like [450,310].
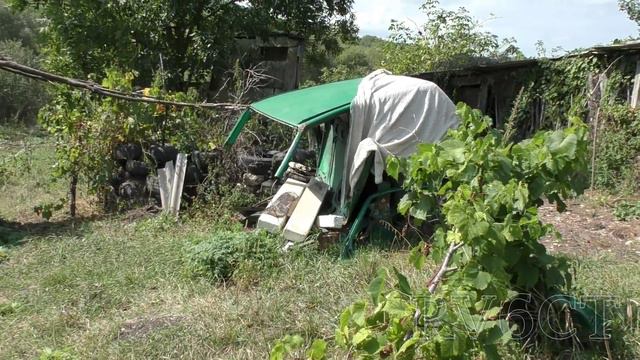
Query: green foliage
[50,354]
[46,210]
[291,344]
[9,308]
[4,254]
[22,27]
[14,166]
[618,149]
[20,98]
[626,211]
[483,197]
[222,253]
[632,8]
[86,129]
[356,59]
[190,40]
[558,89]
[449,39]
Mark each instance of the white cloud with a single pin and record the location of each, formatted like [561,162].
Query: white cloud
[566,23]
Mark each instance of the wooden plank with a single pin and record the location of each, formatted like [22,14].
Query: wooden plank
[275,216]
[330,221]
[178,183]
[635,96]
[306,211]
[165,189]
[171,172]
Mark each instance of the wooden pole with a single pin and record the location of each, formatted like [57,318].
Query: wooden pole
[635,95]
[594,149]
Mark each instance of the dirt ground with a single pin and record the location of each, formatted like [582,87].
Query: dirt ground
[588,226]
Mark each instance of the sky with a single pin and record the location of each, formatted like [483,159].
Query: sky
[569,24]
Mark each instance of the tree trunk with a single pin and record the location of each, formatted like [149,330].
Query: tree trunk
[72,194]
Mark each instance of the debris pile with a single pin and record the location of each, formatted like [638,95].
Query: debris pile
[259,171]
[135,180]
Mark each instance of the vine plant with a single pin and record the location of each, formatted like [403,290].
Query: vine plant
[87,128]
[483,196]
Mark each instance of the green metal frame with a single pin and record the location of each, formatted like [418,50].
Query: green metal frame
[356,226]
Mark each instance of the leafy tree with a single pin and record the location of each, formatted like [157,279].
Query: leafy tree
[18,26]
[449,39]
[190,40]
[357,58]
[20,98]
[632,8]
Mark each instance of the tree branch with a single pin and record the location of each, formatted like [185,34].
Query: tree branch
[13,67]
[444,268]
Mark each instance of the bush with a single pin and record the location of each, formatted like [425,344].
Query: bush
[626,211]
[223,253]
[4,254]
[618,150]
[20,98]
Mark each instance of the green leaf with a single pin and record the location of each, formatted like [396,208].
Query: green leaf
[403,284]
[405,204]
[452,347]
[482,280]
[407,349]
[318,350]
[361,336]
[416,257]
[454,150]
[397,307]
[528,275]
[285,346]
[377,286]
[478,229]
[566,148]
[393,167]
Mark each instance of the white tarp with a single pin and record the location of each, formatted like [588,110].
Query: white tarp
[392,115]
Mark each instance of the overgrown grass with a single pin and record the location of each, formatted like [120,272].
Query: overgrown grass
[117,287]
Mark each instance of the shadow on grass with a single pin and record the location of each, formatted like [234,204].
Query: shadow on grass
[15,233]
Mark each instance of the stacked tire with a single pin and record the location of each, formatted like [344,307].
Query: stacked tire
[135,181]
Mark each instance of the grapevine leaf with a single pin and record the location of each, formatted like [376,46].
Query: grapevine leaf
[397,307]
[403,284]
[318,350]
[361,336]
[393,167]
[527,275]
[454,150]
[478,229]
[482,280]
[416,257]
[408,348]
[405,204]
[377,286]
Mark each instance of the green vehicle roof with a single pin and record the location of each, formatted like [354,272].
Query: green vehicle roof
[296,108]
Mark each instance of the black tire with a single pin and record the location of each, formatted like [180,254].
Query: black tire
[131,189]
[152,185]
[138,168]
[161,154]
[255,165]
[128,151]
[118,177]
[193,175]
